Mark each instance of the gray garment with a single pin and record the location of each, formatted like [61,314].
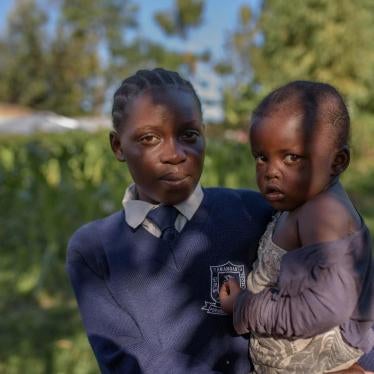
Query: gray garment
[136,210]
[320,286]
[318,354]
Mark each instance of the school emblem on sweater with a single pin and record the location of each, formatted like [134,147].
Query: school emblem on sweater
[218,275]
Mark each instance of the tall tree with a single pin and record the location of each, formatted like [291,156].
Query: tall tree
[91,34]
[69,62]
[23,59]
[179,20]
[331,41]
[184,15]
[74,75]
[239,95]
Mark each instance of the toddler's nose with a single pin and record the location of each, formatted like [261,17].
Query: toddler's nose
[272,172]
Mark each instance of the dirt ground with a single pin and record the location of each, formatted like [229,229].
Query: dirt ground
[12,110]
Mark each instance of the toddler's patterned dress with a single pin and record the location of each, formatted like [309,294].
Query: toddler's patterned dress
[320,354]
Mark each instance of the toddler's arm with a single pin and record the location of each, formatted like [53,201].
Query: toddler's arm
[319,300]
[319,284]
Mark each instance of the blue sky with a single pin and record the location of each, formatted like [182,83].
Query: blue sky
[220,17]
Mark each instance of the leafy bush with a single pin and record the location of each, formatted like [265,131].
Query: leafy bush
[49,186]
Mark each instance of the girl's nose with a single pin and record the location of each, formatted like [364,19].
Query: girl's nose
[173,152]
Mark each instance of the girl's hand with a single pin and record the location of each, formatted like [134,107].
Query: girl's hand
[228,294]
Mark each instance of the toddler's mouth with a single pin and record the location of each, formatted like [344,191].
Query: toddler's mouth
[273,193]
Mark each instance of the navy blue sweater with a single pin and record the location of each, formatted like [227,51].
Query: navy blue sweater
[149,309]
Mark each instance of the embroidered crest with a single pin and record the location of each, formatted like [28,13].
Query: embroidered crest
[218,275]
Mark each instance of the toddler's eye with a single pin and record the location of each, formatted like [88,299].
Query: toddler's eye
[260,159]
[291,158]
[149,139]
[190,135]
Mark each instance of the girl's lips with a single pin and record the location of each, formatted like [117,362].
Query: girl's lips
[174,179]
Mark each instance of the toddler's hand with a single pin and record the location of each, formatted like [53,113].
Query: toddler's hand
[354,369]
[228,294]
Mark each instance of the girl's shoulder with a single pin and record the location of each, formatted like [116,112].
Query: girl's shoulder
[249,200]
[86,246]
[91,234]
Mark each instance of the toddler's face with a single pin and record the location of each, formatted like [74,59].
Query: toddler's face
[293,158]
[163,144]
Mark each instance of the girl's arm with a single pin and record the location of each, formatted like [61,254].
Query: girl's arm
[113,333]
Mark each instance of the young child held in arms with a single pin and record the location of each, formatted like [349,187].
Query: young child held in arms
[147,277]
[309,303]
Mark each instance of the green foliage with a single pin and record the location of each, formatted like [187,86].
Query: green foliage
[323,40]
[22,56]
[67,63]
[44,70]
[88,31]
[85,30]
[49,186]
[178,21]
[237,103]
[184,15]
[74,87]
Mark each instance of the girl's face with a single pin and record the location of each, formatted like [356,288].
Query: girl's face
[162,142]
[294,158]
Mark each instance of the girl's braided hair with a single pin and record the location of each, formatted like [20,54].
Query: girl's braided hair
[142,80]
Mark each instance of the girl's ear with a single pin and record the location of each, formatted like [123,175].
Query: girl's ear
[115,144]
[341,161]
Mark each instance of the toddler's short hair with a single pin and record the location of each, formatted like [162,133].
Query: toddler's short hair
[318,101]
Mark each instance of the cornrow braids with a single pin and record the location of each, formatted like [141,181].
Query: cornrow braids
[142,80]
[318,101]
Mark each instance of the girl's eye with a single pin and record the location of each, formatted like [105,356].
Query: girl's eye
[190,135]
[291,158]
[149,139]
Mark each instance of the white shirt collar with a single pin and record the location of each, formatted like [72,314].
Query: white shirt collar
[136,210]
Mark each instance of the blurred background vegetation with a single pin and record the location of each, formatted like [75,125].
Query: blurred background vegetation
[67,56]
